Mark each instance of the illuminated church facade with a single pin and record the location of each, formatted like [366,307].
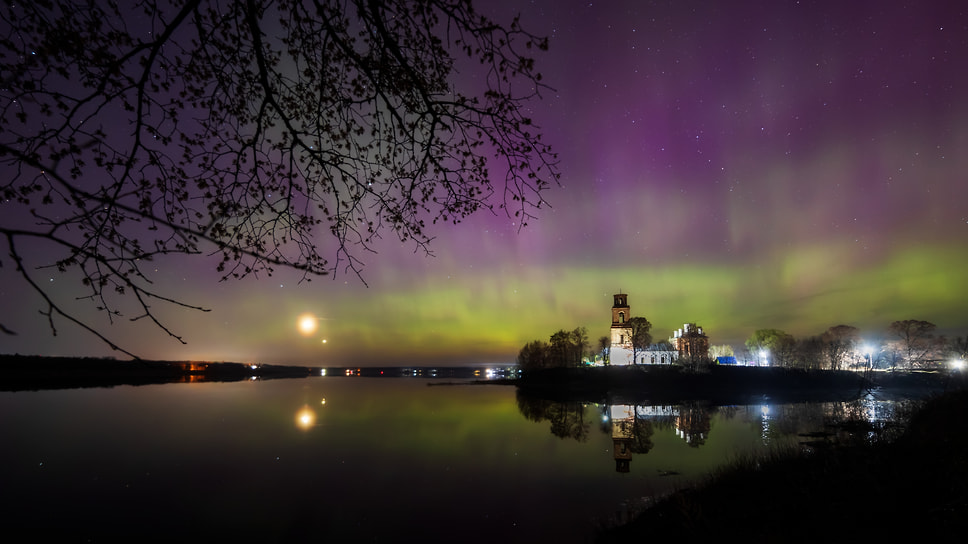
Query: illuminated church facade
[688,342]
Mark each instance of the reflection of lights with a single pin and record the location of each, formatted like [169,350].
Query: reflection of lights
[322,401]
[307,324]
[305,418]
[765,424]
[958,364]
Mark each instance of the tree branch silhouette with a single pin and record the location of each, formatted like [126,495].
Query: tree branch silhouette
[265,133]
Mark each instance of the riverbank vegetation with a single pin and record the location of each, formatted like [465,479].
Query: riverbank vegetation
[727,384]
[904,345]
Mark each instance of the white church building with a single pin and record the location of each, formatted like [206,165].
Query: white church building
[620,353]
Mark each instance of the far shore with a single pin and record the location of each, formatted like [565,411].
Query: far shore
[647,384]
[28,372]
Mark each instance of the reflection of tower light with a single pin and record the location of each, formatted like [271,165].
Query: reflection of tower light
[305,418]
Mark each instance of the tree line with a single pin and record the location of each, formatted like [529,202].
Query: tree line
[909,344]
[565,349]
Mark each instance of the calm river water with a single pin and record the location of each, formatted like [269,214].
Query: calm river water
[358,460]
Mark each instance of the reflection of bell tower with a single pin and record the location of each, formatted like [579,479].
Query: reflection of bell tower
[621,313]
[621,445]
[622,418]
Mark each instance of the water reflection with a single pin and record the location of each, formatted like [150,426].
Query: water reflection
[634,427]
[306,418]
[469,463]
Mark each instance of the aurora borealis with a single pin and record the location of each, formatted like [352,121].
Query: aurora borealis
[742,165]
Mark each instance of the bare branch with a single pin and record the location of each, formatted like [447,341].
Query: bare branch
[266,133]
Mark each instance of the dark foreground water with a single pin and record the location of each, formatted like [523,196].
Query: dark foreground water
[358,460]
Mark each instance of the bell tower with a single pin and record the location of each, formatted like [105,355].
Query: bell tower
[621,313]
[620,309]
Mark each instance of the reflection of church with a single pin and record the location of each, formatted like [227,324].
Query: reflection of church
[632,428]
[623,418]
[693,425]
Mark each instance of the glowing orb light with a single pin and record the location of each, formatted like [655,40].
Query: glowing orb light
[307,323]
[305,418]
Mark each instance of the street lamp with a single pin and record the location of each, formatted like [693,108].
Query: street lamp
[764,354]
[868,353]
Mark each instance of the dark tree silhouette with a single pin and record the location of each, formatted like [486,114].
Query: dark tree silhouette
[268,133]
[839,344]
[535,355]
[641,336]
[916,339]
[604,344]
[780,346]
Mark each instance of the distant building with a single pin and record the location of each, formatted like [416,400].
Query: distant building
[690,342]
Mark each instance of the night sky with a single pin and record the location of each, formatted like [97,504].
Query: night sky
[739,165]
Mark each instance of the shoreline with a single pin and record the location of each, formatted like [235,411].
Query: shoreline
[34,372]
[648,384]
[729,385]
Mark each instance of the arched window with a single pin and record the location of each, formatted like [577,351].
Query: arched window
[621,317]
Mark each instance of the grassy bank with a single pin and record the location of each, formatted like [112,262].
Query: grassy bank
[916,484]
